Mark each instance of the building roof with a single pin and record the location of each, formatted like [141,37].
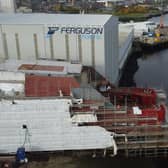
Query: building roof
[87,93]
[7,76]
[42,86]
[63,19]
[41,67]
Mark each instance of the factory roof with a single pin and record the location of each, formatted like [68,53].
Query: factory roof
[41,67]
[43,86]
[63,19]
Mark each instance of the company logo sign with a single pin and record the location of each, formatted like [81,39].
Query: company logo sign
[76,30]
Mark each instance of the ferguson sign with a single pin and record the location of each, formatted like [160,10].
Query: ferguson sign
[76,30]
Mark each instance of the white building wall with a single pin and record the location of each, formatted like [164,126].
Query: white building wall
[55,45]
[115,51]
[7,5]
[47,45]
[126,36]
[111,50]
[59,50]
[99,50]
[26,42]
[2,51]
[86,52]
[73,47]
[100,55]
[10,41]
[83,48]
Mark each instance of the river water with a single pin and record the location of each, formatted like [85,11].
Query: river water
[148,69]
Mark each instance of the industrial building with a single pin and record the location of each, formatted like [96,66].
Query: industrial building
[91,40]
[7,6]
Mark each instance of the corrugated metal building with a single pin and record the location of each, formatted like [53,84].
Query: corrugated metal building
[91,40]
[45,125]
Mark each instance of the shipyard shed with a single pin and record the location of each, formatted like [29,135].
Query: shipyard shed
[91,40]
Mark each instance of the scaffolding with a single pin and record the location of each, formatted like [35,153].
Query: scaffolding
[144,135]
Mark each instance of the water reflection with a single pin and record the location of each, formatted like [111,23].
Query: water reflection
[147,70]
[153,70]
[129,70]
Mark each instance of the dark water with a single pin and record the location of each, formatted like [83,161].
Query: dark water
[148,69]
[153,70]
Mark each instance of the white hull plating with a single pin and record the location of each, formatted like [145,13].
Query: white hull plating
[45,125]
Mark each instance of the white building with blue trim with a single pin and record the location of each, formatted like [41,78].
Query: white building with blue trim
[91,40]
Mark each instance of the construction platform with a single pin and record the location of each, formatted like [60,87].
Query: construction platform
[135,140]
